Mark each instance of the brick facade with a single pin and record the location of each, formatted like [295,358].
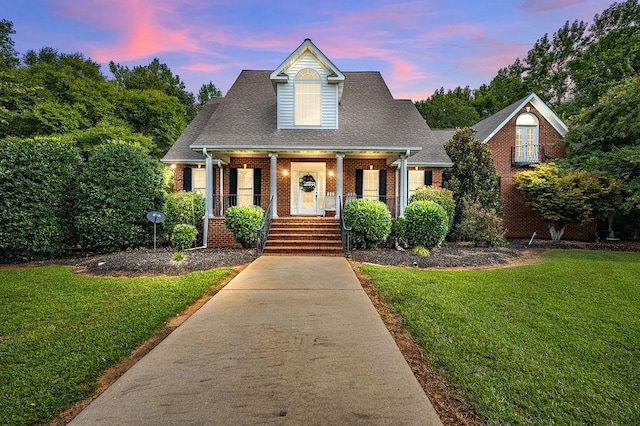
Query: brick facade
[519,220]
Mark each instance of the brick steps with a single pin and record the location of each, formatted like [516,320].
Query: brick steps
[304,236]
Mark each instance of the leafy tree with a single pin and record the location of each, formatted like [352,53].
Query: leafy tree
[560,197]
[207,91]
[156,76]
[8,54]
[37,194]
[117,188]
[506,87]
[473,174]
[449,110]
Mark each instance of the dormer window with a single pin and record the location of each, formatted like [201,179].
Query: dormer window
[307,98]
[526,149]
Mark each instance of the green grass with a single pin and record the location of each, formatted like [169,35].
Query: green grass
[59,331]
[551,343]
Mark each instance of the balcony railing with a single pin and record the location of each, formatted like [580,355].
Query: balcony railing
[523,156]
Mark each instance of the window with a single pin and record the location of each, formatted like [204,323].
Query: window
[307,98]
[245,187]
[526,150]
[416,180]
[199,180]
[370,184]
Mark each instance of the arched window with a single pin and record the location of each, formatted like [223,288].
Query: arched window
[526,150]
[307,98]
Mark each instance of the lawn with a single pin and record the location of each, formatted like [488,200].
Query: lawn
[59,331]
[551,343]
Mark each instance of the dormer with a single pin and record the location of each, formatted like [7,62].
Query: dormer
[308,89]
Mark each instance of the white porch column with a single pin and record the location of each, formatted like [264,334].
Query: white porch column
[208,195]
[339,181]
[403,184]
[273,182]
[221,207]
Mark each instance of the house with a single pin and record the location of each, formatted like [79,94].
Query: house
[304,137]
[307,137]
[520,136]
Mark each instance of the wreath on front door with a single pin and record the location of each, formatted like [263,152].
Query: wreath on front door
[307,183]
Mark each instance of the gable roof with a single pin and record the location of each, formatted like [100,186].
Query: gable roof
[491,125]
[278,75]
[433,153]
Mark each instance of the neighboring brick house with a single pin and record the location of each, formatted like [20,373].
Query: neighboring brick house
[304,135]
[521,135]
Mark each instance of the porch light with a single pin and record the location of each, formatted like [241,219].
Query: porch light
[285,172]
[330,173]
[173,167]
[244,166]
[370,166]
[416,168]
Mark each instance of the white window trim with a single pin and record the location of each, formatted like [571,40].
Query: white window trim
[199,176]
[245,193]
[304,114]
[371,184]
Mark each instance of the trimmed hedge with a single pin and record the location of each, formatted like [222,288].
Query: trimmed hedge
[183,236]
[427,224]
[37,193]
[369,220]
[183,207]
[242,222]
[119,185]
[440,196]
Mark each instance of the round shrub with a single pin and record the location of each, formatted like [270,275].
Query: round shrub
[183,207]
[37,193]
[440,196]
[481,226]
[369,220]
[242,222]
[118,186]
[183,236]
[427,224]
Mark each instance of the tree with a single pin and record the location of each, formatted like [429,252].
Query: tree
[473,174]
[156,76]
[506,87]
[207,91]
[8,55]
[449,110]
[560,197]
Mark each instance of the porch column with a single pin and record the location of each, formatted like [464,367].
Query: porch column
[273,183]
[403,184]
[339,181]
[221,203]
[208,195]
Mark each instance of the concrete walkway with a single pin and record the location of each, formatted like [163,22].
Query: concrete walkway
[290,340]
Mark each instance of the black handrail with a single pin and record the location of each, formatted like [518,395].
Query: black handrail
[344,231]
[262,232]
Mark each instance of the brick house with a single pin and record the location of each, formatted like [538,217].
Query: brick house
[303,136]
[308,137]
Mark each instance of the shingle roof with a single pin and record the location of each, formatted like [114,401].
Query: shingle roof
[432,153]
[369,120]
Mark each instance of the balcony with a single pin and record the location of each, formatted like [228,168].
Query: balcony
[523,156]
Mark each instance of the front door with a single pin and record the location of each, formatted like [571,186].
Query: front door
[308,192]
[308,180]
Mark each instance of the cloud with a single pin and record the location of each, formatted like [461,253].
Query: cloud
[208,68]
[541,6]
[139,28]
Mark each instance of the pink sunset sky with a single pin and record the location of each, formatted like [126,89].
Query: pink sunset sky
[418,46]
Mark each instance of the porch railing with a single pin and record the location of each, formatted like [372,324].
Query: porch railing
[345,232]
[262,232]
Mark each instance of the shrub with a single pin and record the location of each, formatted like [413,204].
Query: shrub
[118,187]
[37,183]
[242,222]
[183,207]
[440,196]
[421,251]
[369,220]
[481,226]
[178,256]
[183,236]
[398,234]
[427,224]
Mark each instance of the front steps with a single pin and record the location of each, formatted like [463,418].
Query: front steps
[304,236]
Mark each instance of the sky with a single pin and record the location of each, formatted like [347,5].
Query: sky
[417,45]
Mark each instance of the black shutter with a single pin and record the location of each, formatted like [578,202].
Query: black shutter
[187,183]
[233,186]
[382,186]
[498,183]
[428,177]
[359,182]
[257,186]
